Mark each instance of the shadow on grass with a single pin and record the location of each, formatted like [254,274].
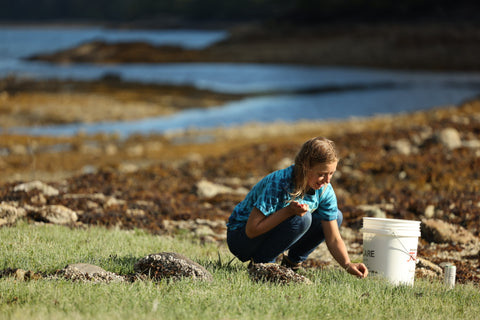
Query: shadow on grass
[119,264]
[230,264]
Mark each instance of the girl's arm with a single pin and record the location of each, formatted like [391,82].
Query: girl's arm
[258,223]
[337,248]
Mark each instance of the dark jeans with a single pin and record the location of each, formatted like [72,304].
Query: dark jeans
[299,235]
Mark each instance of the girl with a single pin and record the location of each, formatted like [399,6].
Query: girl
[292,209]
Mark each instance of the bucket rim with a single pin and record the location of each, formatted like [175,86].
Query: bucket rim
[391,220]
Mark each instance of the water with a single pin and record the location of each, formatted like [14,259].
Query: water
[282,92]
[286,108]
[25,41]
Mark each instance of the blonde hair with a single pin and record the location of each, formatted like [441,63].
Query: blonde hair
[314,151]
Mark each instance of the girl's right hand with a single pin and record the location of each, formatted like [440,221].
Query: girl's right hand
[299,209]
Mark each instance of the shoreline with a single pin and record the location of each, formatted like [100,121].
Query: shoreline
[399,46]
[112,150]
[106,99]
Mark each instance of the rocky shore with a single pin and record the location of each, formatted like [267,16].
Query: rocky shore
[422,45]
[419,166]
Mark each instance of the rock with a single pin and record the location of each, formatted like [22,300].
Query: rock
[472,144]
[284,163]
[272,272]
[207,189]
[37,185]
[425,273]
[111,149]
[419,138]
[171,265]
[450,138]
[19,150]
[38,199]
[135,213]
[113,202]
[372,211]
[23,275]
[349,233]
[58,214]
[402,146]
[425,264]
[93,196]
[9,214]
[20,274]
[429,211]
[438,231]
[89,272]
[352,174]
[203,231]
[199,227]
[128,167]
[136,151]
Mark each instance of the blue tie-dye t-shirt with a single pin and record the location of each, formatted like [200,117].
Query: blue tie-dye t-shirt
[272,193]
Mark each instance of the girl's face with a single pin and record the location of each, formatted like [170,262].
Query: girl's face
[320,174]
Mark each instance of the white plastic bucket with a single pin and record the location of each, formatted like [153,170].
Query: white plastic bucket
[390,248]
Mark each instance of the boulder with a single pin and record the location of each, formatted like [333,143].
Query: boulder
[428,265]
[429,211]
[36,185]
[472,144]
[207,189]
[374,211]
[439,231]
[402,146]
[58,214]
[9,214]
[171,265]
[450,138]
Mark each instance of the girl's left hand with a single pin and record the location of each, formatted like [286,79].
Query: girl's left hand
[299,209]
[357,269]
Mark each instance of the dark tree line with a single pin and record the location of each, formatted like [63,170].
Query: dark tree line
[291,10]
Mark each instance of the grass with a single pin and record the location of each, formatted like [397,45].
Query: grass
[231,295]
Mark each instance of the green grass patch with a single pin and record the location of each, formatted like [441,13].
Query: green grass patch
[232,295]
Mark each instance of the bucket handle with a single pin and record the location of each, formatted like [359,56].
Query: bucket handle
[406,251]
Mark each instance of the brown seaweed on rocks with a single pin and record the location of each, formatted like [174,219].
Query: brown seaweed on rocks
[400,165]
[171,266]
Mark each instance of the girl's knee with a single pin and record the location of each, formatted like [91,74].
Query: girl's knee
[302,224]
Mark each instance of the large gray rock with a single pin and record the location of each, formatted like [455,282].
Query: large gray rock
[450,138]
[439,231]
[374,211]
[207,189]
[9,214]
[58,214]
[171,265]
[37,185]
[402,146]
